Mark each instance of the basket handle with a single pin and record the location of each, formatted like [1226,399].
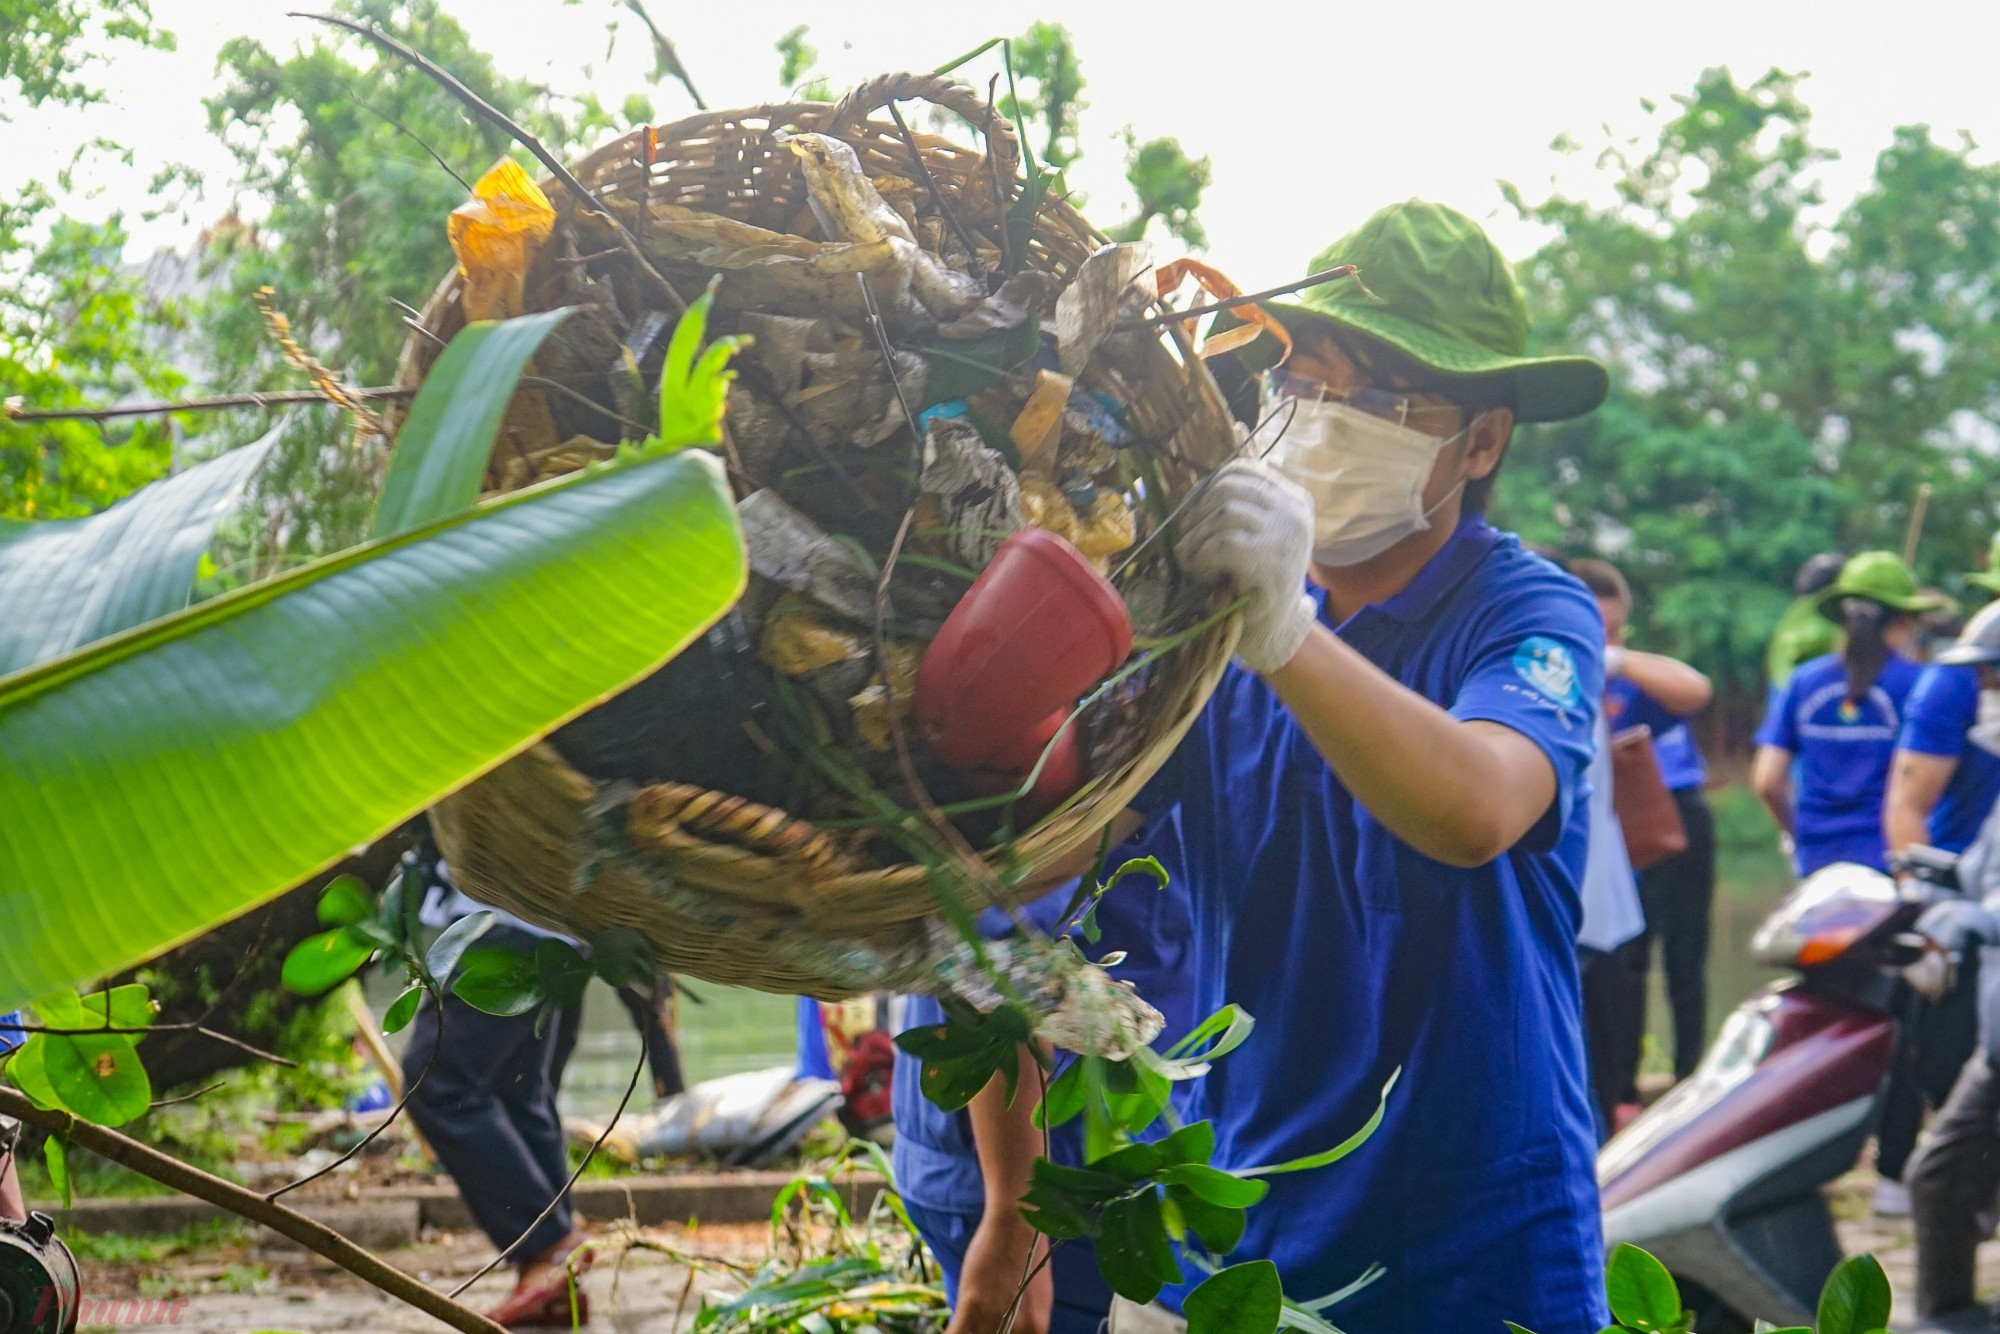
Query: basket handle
[854,109]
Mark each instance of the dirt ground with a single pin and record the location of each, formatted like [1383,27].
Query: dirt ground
[241,1285]
[238,1286]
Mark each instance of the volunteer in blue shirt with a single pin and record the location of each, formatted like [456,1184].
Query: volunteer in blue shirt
[961,1174]
[1384,812]
[1660,693]
[1946,772]
[1840,716]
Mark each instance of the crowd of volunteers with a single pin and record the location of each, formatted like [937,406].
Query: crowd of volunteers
[1394,842]
[1398,836]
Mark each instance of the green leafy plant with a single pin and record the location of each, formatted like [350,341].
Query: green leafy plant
[1644,1298]
[533,608]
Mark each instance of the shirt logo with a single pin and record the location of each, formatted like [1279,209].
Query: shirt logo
[1547,666]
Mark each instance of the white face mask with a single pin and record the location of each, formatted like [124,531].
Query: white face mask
[1985,733]
[1365,474]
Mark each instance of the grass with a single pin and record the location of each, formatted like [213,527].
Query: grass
[151,1248]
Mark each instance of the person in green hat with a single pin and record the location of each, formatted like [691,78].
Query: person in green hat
[1802,634]
[1385,812]
[1839,715]
[1988,578]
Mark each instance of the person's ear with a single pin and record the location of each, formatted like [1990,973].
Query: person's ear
[1486,440]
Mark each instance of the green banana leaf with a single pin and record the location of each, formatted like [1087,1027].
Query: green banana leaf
[67,582]
[442,450]
[160,781]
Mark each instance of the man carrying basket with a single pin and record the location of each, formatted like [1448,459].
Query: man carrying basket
[1385,814]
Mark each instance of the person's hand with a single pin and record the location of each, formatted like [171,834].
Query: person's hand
[1957,925]
[995,1259]
[1614,659]
[1254,528]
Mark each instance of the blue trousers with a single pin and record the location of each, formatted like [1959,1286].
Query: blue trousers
[488,1107]
[1083,1299]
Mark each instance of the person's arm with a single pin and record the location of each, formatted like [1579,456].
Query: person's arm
[1002,1245]
[1916,781]
[1677,687]
[1771,780]
[1462,792]
[1459,789]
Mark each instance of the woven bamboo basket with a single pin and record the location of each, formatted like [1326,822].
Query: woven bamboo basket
[724,889]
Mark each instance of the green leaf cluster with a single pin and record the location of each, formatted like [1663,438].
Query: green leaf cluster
[1644,1298]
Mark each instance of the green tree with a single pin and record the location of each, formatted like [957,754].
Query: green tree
[1051,81]
[798,65]
[1167,185]
[1783,380]
[47,45]
[72,323]
[357,161]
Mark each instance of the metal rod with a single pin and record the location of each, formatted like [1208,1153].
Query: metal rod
[18,414]
[1290,406]
[978,266]
[1310,280]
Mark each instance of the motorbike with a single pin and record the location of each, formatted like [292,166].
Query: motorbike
[1720,1179]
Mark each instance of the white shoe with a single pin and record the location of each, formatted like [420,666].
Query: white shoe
[1891,1199]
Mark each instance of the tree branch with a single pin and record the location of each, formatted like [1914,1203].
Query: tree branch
[15,412]
[314,1236]
[202,1029]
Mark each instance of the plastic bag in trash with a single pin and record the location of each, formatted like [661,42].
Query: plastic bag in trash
[744,1120]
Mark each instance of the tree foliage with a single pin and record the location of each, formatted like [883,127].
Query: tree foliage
[1785,376]
[355,160]
[72,323]
[1168,185]
[798,66]
[47,45]
[1049,78]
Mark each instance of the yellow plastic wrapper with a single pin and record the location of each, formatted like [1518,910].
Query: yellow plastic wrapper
[1109,528]
[795,641]
[1038,429]
[496,235]
[1043,505]
[871,705]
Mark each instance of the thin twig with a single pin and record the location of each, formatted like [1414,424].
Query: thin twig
[314,1236]
[202,1029]
[388,1120]
[543,382]
[937,196]
[19,414]
[1310,280]
[412,135]
[493,115]
[185,1097]
[562,1194]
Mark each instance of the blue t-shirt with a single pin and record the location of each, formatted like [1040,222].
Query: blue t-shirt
[1843,749]
[935,1164]
[1358,955]
[1938,719]
[1625,705]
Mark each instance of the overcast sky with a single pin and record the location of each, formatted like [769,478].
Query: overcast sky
[1314,114]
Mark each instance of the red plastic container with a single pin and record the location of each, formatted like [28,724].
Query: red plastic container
[1036,630]
[1062,775]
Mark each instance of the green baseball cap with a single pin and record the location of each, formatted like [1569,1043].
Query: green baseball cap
[1988,578]
[1432,286]
[1878,576]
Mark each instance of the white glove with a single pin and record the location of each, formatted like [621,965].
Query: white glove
[1614,659]
[1254,528]
[1958,924]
